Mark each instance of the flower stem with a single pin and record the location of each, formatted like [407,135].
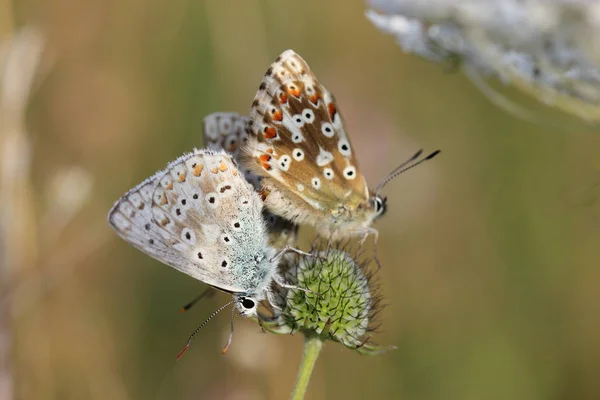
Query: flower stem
[312,347]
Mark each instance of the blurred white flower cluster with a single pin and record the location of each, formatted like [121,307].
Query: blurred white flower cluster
[547,48]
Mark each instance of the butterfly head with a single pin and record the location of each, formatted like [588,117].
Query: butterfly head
[379,204]
[247,305]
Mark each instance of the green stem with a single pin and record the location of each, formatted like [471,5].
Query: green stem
[312,347]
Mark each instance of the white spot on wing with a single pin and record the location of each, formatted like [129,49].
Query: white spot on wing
[350,172]
[284,162]
[298,154]
[316,182]
[344,148]
[298,120]
[324,158]
[327,129]
[188,236]
[308,115]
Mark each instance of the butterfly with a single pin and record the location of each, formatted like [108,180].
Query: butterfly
[200,216]
[298,143]
[227,131]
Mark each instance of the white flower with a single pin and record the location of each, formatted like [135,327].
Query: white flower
[547,48]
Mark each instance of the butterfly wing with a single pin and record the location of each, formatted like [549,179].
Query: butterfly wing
[226,131]
[297,137]
[199,216]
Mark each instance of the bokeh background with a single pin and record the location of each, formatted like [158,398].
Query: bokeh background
[490,252]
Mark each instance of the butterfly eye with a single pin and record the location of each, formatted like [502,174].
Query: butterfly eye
[248,303]
[380,205]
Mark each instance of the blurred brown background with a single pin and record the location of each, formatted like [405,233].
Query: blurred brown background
[490,252]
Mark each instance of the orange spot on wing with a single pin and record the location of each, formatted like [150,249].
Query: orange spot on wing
[263,193]
[315,98]
[181,177]
[332,110]
[170,186]
[278,116]
[234,172]
[294,91]
[270,132]
[264,161]
[223,166]
[198,169]
[163,200]
[270,150]
[283,98]
[214,170]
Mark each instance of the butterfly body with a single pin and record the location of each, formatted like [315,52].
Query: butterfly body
[298,144]
[336,219]
[201,217]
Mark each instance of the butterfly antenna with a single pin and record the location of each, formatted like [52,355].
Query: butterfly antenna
[197,299]
[405,166]
[230,338]
[189,341]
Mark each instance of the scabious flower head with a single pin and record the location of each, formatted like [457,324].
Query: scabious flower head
[339,305]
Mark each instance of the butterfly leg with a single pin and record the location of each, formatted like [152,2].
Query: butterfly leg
[279,280]
[287,249]
[208,291]
[272,300]
[366,232]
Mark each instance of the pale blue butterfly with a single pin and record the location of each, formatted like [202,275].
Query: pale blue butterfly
[201,217]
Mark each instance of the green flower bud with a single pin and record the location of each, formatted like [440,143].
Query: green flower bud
[338,303]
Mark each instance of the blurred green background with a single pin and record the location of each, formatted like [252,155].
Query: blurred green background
[490,252]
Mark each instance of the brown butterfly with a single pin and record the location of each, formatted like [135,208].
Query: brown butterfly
[298,143]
